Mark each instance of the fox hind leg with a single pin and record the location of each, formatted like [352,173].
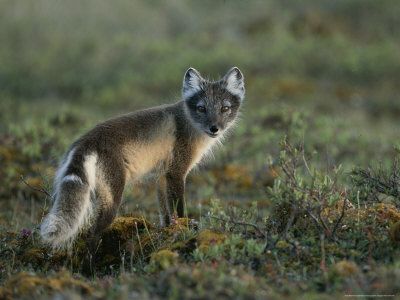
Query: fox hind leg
[108,196]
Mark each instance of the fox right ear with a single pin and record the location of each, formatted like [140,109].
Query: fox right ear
[234,81]
[192,83]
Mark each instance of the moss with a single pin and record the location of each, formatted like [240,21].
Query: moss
[387,212]
[163,259]
[178,225]
[282,244]
[122,236]
[182,221]
[335,249]
[58,258]
[124,226]
[8,153]
[26,284]
[346,268]
[394,232]
[34,256]
[239,175]
[333,212]
[120,232]
[207,238]
[127,234]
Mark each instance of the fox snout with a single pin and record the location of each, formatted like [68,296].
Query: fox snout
[213,131]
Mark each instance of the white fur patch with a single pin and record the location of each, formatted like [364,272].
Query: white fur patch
[63,167]
[61,171]
[73,177]
[90,169]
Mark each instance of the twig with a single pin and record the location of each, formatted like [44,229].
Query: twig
[314,218]
[289,224]
[255,226]
[340,218]
[323,223]
[306,164]
[41,190]
[138,238]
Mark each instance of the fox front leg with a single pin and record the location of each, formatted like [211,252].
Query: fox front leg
[176,194]
[165,213]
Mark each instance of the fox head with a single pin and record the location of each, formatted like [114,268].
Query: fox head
[212,106]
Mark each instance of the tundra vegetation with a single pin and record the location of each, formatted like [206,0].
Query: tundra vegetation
[303,200]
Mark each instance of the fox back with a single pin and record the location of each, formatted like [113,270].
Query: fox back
[163,142]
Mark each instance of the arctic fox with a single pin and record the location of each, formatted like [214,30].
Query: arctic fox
[167,141]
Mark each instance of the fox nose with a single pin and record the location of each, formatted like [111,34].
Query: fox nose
[214,129]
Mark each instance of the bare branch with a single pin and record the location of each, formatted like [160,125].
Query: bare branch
[340,218]
[41,190]
[255,226]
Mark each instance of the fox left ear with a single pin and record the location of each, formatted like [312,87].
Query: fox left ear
[234,80]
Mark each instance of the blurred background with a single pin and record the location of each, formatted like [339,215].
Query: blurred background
[324,73]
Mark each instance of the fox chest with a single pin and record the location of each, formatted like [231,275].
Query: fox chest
[201,149]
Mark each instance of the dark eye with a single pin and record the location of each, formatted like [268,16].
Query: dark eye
[225,108]
[201,109]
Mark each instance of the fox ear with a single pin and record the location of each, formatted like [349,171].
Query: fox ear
[192,83]
[234,81]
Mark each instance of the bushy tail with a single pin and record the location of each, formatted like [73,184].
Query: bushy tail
[73,206]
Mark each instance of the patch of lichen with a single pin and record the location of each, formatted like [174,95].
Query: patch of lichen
[22,250]
[163,259]
[346,268]
[122,230]
[127,237]
[380,220]
[17,160]
[27,249]
[207,238]
[387,212]
[237,175]
[377,217]
[137,239]
[178,226]
[23,285]
[394,232]
[34,255]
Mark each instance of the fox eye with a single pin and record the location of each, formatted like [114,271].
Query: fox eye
[225,108]
[201,109]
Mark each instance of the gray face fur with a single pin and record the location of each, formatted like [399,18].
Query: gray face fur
[212,106]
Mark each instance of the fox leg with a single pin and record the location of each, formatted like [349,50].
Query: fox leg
[109,198]
[108,202]
[106,213]
[108,194]
[176,193]
[165,214]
